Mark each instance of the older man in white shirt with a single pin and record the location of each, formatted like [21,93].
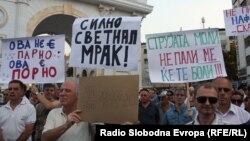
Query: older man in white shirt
[228,112]
[18,116]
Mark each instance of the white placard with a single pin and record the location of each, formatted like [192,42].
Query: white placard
[185,56]
[106,43]
[33,59]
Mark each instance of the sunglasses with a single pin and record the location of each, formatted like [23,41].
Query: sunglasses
[203,99]
[224,89]
[236,101]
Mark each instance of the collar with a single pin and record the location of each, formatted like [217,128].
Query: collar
[232,109]
[23,102]
[215,121]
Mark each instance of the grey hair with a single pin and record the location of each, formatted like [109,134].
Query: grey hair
[76,80]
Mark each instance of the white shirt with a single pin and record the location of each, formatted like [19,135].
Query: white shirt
[78,132]
[235,115]
[13,122]
[215,122]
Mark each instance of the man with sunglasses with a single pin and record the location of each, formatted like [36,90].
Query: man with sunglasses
[226,111]
[206,102]
[237,98]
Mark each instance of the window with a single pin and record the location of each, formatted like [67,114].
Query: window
[145,61]
[145,51]
[248,60]
[84,73]
[247,41]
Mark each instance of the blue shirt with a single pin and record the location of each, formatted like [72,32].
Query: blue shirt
[173,117]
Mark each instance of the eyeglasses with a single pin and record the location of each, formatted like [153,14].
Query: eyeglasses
[203,99]
[224,89]
[236,101]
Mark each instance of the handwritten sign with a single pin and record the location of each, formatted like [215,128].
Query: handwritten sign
[33,60]
[237,21]
[114,101]
[106,42]
[185,56]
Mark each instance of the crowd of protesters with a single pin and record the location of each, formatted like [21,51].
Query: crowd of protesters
[212,102]
[53,115]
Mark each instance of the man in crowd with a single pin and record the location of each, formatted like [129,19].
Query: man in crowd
[18,116]
[226,111]
[49,91]
[148,111]
[180,113]
[206,103]
[64,124]
[237,98]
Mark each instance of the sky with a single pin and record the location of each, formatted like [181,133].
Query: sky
[174,15]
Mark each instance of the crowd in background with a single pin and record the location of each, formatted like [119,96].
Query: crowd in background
[52,114]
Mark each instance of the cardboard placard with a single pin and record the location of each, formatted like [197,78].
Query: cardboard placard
[109,99]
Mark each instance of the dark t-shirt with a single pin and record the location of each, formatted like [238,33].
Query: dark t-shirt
[149,115]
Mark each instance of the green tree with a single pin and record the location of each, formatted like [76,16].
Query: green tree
[231,62]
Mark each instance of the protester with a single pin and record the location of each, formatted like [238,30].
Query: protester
[154,95]
[237,98]
[64,124]
[226,111]
[170,96]
[47,103]
[148,111]
[18,116]
[206,103]
[247,104]
[49,91]
[164,104]
[180,113]
[5,97]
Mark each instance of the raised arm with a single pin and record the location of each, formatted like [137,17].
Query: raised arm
[43,100]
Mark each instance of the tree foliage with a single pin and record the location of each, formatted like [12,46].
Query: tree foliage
[230,60]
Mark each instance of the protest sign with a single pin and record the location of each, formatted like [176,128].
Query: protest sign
[109,99]
[237,21]
[106,42]
[37,59]
[186,56]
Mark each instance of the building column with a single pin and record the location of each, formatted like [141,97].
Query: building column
[21,5]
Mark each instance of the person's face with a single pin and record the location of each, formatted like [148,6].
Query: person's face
[204,101]
[247,104]
[237,100]
[151,92]
[15,92]
[224,89]
[170,97]
[145,97]
[6,95]
[179,97]
[49,92]
[68,94]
